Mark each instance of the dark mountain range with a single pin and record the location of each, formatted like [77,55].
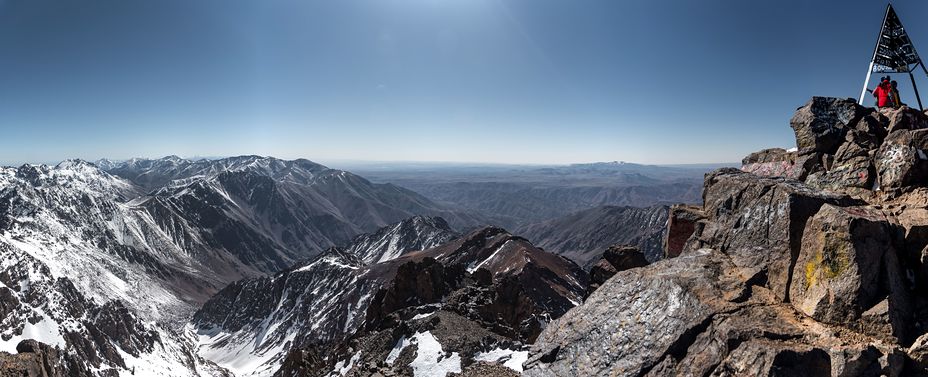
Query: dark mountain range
[585,235]
[514,196]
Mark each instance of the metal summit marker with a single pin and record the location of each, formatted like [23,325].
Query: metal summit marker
[894,53]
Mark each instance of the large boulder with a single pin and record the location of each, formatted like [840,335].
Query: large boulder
[905,118]
[606,336]
[696,315]
[902,161]
[848,272]
[820,125]
[759,222]
[778,162]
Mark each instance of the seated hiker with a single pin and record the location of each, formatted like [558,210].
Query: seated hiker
[894,94]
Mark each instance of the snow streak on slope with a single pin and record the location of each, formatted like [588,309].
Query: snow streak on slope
[249,326]
[391,242]
[323,300]
[83,269]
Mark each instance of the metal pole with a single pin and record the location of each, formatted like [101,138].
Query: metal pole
[873,58]
[863,92]
[917,97]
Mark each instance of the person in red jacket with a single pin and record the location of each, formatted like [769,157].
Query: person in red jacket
[882,93]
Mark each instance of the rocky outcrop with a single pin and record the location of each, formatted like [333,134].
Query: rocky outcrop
[781,163]
[681,224]
[849,273]
[807,262]
[759,222]
[901,160]
[616,258]
[36,359]
[821,124]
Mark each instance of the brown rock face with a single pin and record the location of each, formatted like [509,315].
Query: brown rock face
[36,359]
[616,258]
[848,272]
[601,271]
[681,224]
[624,257]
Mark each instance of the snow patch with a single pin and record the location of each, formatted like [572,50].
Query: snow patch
[511,359]
[341,368]
[45,331]
[431,360]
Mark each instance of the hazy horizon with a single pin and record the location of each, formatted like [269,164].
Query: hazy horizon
[344,164]
[481,81]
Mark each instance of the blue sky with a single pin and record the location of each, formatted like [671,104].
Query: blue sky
[510,81]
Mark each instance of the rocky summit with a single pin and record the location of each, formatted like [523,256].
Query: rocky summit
[805,262]
[810,261]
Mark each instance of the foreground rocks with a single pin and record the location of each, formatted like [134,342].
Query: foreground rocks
[35,359]
[810,262]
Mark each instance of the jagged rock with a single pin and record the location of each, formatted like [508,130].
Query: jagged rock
[698,315]
[768,358]
[848,272]
[681,224]
[416,283]
[918,352]
[601,271]
[759,222]
[394,351]
[35,359]
[624,257]
[304,362]
[852,165]
[603,336]
[616,258]
[901,160]
[821,124]
[905,118]
[778,162]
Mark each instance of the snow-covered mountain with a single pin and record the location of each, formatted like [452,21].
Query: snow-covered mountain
[252,325]
[305,198]
[249,326]
[109,268]
[390,242]
[83,268]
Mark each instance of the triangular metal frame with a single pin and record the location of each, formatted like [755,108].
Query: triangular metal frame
[894,53]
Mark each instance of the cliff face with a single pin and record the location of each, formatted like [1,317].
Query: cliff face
[805,262]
